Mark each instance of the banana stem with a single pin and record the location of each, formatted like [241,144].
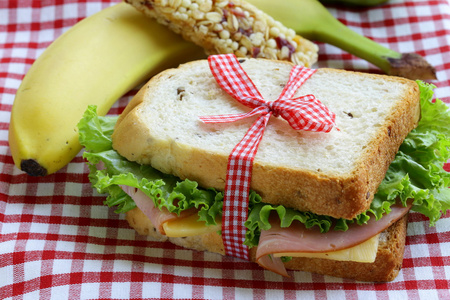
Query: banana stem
[335,33]
[312,20]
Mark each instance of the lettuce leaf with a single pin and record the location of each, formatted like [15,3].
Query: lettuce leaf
[417,172]
[109,170]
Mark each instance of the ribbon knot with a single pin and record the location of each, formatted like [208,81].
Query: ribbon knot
[302,113]
[272,107]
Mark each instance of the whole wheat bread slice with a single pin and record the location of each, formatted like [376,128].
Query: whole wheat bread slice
[334,174]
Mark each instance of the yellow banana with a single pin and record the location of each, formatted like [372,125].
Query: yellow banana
[95,62]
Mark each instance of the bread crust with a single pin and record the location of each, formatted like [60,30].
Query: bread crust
[305,190]
[385,268]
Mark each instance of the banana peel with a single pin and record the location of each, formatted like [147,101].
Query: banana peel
[310,19]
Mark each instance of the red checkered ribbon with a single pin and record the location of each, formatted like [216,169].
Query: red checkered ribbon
[302,113]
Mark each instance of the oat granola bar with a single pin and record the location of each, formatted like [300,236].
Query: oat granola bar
[223,26]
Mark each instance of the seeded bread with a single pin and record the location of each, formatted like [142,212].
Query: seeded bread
[385,267]
[224,26]
[334,174]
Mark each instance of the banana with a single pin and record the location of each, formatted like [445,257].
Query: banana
[95,62]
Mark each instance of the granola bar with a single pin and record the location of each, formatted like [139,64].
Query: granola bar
[223,26]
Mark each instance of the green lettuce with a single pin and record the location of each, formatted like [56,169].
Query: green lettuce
[109,170]
[416,172]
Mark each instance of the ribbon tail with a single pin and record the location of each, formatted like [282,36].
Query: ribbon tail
[227,118]
[297,77]
[233,79]
[237,189]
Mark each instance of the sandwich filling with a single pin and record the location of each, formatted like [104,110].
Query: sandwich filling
[416,173]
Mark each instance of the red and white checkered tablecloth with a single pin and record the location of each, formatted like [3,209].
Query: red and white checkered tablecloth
[57,239]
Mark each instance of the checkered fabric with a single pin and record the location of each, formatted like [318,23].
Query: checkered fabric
[302,113]
[58,240]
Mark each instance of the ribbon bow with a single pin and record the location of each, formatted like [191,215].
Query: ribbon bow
[302,113]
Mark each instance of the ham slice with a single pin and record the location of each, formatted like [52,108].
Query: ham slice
[294,239]
[274,264]
[298,239]
[157,216]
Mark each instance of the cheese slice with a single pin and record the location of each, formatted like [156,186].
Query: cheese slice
[189,226]
[365,252]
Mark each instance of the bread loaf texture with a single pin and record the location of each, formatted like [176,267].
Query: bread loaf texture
[386,266]
[334,174]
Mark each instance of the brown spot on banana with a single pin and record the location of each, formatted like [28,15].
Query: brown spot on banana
[32,167]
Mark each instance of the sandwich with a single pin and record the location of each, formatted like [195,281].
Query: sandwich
[334,203]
